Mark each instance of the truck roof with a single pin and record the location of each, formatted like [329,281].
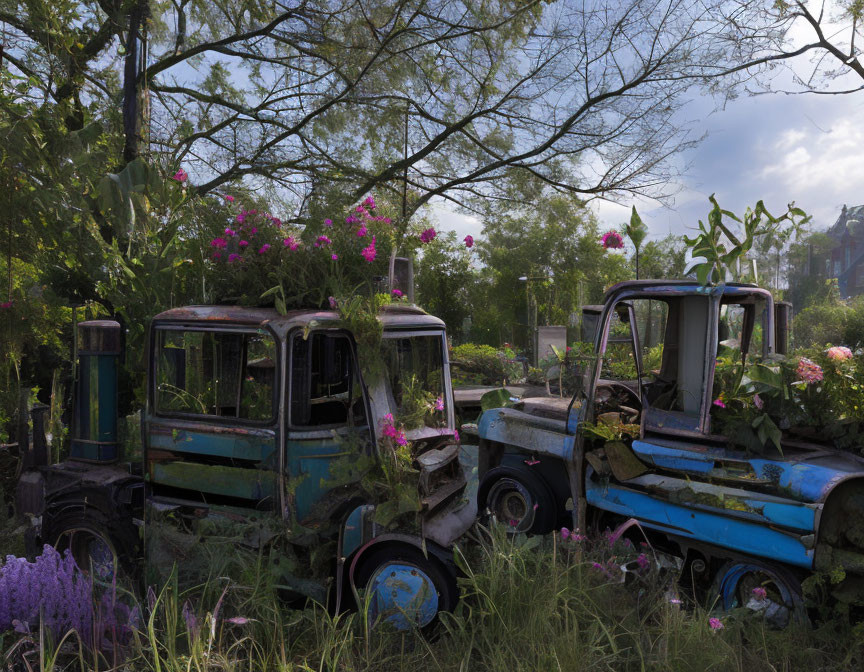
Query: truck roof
[678,287]
[394,316]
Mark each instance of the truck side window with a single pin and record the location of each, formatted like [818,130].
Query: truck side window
[324,382]
[225,374]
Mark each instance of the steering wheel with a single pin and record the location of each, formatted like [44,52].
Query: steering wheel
[614,396]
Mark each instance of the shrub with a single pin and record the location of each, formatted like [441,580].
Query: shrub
[483,364]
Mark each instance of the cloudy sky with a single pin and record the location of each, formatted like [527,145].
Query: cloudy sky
[780,148]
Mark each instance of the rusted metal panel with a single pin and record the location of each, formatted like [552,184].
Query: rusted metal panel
[236,443]
[543,436]
[249,484]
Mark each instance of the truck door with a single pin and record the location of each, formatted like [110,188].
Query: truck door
[327,420]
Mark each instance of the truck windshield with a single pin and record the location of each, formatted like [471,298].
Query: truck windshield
[415,376]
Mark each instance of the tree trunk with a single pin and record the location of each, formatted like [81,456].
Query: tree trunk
[131,114]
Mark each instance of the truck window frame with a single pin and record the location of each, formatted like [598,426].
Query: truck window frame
[310,431]
[214,419]
[698,424]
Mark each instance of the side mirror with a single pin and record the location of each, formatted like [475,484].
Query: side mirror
[782,327]
[590,322]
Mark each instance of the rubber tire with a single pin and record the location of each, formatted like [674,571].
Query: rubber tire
[786,583]
[122,539]
[442,577]
[533,491]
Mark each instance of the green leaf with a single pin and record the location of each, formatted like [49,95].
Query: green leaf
[499,398]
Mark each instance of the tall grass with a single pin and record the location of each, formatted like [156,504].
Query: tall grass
[527,604]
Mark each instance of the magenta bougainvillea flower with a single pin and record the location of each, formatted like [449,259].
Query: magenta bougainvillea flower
[839,353]
[334,257]
[642,561]
[439,404]
[369,202]
[217,255]
[322,241]
[369,252]
[229,198]
[809,371]
[428,235]
[390,430]
[469,241]
[719,403]
[612,240]
[234,257]
[362,231]
[218,242]
[264,248]
[760,593]
[6,304]
[243,243]
[715,624]
[290,243]
[397,293]
[456,436]
[181,175]
[328,222]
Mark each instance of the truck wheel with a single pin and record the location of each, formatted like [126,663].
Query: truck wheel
[740,584]
[517,499]
[405,588]
[97,549]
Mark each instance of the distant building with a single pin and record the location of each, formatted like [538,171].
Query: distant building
[845,261]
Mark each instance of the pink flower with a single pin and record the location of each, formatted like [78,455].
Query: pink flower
[757,400]
[328,222]
[456,436]
[513,522]
[238,620]
[612,240]
[332,301]
[397,293]
[469,241]
[241,218]
[809,371]
[439,404]
[234,257]
[229,198]
[360,208]
[369,251]
[180,175]
[264,248]
[369,202]
[531,462]
[760,593]
[290,243]
[565,534]
[253,230]
[362,231]
[334,257]
[428,235]
[243,243]
[6,304]
[387,220]
[218,242]
[839,353]
[642,561]
[715,624]
[321,241]
[217,255]
[719,403]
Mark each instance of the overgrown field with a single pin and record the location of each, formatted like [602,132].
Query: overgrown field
[528,604]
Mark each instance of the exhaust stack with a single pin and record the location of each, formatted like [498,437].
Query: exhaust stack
[94,426]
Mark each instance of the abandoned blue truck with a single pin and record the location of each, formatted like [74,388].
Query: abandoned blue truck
[257,430]
[735,519]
